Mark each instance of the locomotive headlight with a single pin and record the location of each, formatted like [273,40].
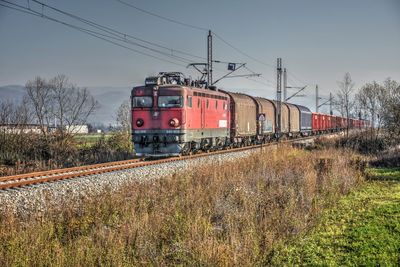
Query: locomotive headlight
[174,122]
[139,122]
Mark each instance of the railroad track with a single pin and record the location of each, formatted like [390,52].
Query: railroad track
[21,180]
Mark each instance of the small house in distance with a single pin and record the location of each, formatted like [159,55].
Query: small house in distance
[77,129]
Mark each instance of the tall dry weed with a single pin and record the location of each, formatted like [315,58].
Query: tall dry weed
[220,214]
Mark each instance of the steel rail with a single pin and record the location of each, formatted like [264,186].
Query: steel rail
[21,180]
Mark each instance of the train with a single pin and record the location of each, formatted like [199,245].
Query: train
[173,116]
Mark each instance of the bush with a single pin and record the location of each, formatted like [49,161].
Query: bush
[34,152]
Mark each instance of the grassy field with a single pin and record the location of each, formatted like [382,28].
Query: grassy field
[88,140]
[363,230]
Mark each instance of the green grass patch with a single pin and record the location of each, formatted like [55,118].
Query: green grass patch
[88,140]
[363,229]
[384,173]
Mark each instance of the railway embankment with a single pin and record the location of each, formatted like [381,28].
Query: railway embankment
[232,212]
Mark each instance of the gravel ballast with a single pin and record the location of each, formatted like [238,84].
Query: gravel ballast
[38,198]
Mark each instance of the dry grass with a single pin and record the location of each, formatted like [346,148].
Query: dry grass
[216,215]
[39,153]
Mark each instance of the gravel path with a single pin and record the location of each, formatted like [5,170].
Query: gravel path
[38,198]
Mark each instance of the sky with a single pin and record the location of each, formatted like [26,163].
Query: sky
[318,41]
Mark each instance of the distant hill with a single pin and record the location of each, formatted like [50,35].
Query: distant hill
[110,98]
[12,92]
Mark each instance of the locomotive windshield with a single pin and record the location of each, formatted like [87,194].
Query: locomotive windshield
[170,101]
[142,102]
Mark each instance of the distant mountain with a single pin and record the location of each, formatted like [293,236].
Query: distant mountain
[12,92]
[109,98]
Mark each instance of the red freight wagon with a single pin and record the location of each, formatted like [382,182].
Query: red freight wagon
[316,122]
[324,122]
[328,122]
[333,122]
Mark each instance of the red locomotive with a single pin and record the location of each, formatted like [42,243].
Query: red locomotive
[173,116]
[170,117]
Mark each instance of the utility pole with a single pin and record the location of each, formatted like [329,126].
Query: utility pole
[209,59]
[316,98]
[284,85]
[330,104]
[278,97]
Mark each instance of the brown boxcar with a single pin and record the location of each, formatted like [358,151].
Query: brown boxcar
[243,115]
[284,117]
[267,108]
[294,118]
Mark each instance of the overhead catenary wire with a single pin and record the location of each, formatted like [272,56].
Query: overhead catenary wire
[162,17]
[115,35]
[202,29]
[241,52]
[114,31]
[101,36]
[194,27]
[299,80]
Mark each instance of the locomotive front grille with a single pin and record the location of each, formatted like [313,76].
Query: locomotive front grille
[157,138]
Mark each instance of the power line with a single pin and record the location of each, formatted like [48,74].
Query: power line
[299,80]
[162,17]
[197,28]
[259,82]
[204,29]
[113,31]
[241,52]
[23,9]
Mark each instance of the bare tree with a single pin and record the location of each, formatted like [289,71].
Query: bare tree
[391,113]
[371,100]
[80,105]
[39,97]
[70,105]
[124,116]
[6,109]
[60,100]
[344,98]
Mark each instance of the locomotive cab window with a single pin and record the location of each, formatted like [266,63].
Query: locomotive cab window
[170,101]
[189,101]
[142,101]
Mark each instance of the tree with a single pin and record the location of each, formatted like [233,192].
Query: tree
[39,97]
[370,100]
[60,100]
[391,109]
[70,105]
[344,98]
[124,116]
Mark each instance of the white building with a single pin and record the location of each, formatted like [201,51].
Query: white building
[77,129]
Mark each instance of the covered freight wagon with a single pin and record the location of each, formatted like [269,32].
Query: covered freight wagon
[284,117]
[294,119]
[265,109]
[305,120]
[243,116]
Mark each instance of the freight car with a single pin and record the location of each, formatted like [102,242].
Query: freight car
[171,116]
